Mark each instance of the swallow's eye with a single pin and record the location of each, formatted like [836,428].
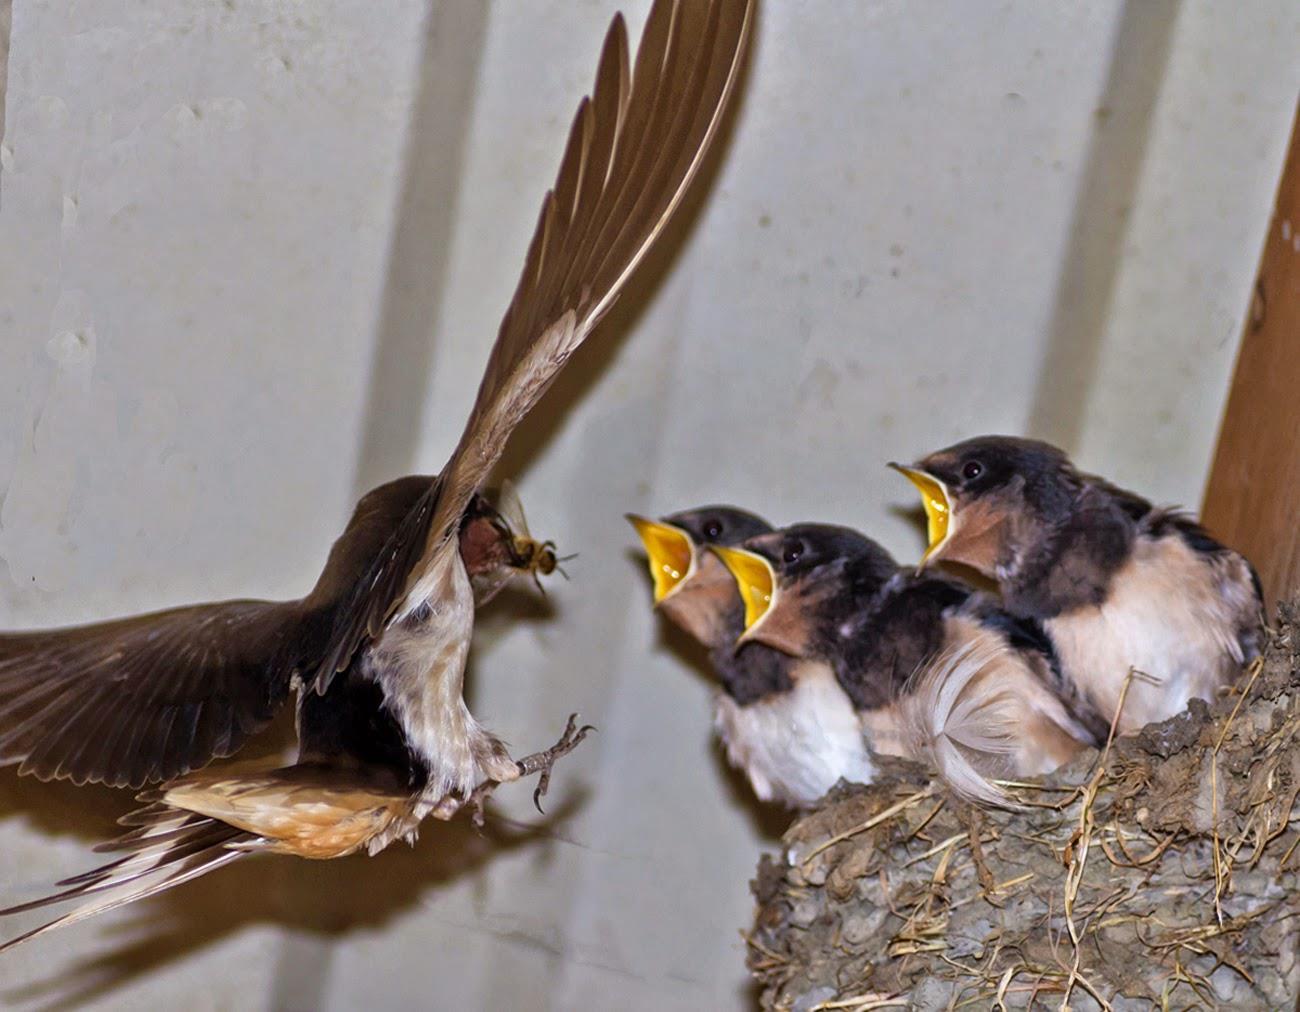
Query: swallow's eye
[972,470]
[713,530]
[793,551]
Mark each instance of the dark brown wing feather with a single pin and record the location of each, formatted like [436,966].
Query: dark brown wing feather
[148,698]
[144,698]
[166,848]
[633,149]
[368,601]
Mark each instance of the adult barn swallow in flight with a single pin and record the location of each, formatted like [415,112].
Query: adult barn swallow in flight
[377,652]
[907,665]
[759,721]
[1118,584]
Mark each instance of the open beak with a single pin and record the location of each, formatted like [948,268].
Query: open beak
[671,553]
[756,581]
[938,508]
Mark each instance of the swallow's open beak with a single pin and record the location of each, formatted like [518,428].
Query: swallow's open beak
[756,581]
[671,553]
[938,508]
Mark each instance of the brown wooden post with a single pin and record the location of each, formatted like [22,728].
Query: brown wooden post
[1252,500]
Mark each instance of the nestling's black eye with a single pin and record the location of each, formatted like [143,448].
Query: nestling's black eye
[792,552]
[972,470]
[712,530]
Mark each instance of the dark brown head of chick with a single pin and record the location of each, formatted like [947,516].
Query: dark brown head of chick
[830,594]
[801,583]
[986,499]
[695,591]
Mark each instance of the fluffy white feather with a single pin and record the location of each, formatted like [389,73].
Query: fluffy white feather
[797,745]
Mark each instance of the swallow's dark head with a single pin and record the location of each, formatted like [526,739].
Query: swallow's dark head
[495,545]
[800,582]
[980,494]
[690,585]
[485,538]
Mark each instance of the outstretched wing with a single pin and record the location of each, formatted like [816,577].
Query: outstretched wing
[143,699]
[147,698]
[633,149]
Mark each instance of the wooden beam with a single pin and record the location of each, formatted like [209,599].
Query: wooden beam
[1252,500]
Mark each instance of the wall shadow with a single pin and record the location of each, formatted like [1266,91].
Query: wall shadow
[6,30]
[321,900]
[418,258]
[1090,269]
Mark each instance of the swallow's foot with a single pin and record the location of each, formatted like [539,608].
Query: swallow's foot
[542,762]
[477,801]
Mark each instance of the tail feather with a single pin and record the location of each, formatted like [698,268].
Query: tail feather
[168,847]
[112,902]
[960,722]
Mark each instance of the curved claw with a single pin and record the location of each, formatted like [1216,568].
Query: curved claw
[543,762]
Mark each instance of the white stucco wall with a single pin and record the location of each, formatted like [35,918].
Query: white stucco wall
[252,255]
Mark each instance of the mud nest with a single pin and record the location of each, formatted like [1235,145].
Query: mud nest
[1162,872]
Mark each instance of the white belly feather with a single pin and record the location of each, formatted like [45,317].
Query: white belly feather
[420,663]
[796,745]
[1165,618]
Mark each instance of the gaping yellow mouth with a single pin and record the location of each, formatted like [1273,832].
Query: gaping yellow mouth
[755,580]
[671,553]
[938,507]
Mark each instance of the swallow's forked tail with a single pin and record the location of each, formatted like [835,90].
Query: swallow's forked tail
[203,821]
[165,847]
[961,718]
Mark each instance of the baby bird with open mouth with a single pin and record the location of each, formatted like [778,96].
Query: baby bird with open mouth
[1118,584]
[756,712]
[907,665]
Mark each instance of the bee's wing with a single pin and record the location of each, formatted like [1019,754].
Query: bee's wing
[511,509]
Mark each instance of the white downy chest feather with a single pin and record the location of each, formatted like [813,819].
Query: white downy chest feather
[796,745]
[1163,617]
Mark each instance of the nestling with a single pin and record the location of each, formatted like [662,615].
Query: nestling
[904,665]
[1118,584]
[696,592]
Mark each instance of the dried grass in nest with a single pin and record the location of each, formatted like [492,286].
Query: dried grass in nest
[1161,873]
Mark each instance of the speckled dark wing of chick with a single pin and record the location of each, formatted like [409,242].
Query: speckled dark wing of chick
[1230,569]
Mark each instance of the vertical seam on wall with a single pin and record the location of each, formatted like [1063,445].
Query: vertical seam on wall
[6,29]
[419,255]
[1094,254]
